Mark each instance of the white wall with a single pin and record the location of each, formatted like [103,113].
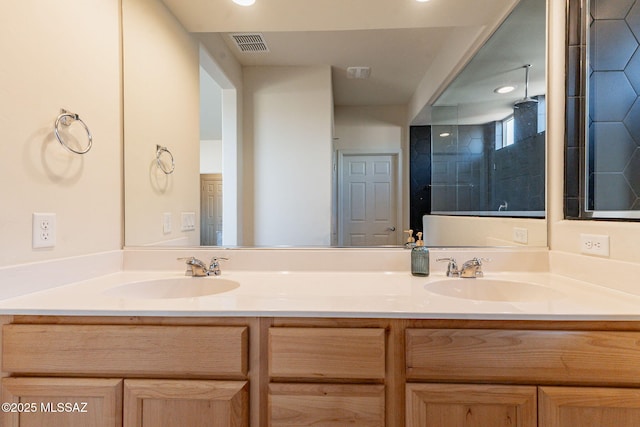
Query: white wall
[287,116]
[370,128]
[62,54]
[161,106]
[211,156]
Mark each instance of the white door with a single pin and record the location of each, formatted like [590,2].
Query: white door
[211,210]
[367,213]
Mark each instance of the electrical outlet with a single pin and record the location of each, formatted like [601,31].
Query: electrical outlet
[520,235]
[594,244]
[43,230]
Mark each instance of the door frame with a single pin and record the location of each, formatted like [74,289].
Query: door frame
[395,153]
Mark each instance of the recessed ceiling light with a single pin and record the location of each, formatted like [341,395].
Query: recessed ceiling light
[445,134]
[504,89]
[244,2]
[422,1]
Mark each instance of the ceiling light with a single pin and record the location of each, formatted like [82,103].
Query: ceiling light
[504,89]
[422,1]
[445,134]
[244,2]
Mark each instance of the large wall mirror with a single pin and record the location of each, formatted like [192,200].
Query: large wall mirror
[275,125]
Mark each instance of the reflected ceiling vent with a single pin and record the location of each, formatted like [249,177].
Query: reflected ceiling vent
[250,42]
[358,72]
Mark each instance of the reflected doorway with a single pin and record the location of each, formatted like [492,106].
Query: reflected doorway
[211,209]
[368,199]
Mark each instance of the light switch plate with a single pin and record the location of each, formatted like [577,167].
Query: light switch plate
[188,221]
[166,223]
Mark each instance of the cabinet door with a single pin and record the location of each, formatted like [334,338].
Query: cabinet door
[328,405]
[589,407]
[461,405]
[189,403]
[62,402]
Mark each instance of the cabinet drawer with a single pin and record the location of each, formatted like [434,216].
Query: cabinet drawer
[150,351]
[326,404]
[327,353]
[523,356]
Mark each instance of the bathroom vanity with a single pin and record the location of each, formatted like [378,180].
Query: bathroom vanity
[273,371]
[362,343]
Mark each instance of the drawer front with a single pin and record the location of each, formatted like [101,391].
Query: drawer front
[523,356]
[326,404]
[150,351]
[327,353]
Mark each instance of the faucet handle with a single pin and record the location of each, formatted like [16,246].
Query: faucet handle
[452,267]
[215,259]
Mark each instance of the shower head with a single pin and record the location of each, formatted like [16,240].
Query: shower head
[526,98]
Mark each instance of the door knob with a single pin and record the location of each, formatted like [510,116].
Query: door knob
[391,229]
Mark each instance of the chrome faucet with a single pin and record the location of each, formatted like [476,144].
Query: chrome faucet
[452,267]
[472,268]
[198,268]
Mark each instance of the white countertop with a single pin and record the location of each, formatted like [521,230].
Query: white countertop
[330,294]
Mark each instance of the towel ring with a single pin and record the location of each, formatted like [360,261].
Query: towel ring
[66,118]
[163,168]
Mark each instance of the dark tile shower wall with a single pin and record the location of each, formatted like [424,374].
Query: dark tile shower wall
[459,175]
[613,170]
[614,112]
[471,175]
[518,175]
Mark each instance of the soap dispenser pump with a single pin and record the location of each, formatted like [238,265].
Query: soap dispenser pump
[420,258]
[411,241]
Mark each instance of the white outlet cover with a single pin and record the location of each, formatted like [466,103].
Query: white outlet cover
[520,235]
[43,230]
[594,244]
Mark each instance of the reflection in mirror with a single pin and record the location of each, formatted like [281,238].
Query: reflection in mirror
[270,148]
[488,140]
[612,136]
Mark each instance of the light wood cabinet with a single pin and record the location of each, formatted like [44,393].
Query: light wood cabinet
[326,405]
[343,362]
[62,402]
[164,376]
[286,372]
[192,403]
[589,407]
[327,353]
[463,405]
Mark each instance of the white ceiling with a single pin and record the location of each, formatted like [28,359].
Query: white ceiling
[403,41]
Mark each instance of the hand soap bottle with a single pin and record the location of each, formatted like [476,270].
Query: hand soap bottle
[420,258]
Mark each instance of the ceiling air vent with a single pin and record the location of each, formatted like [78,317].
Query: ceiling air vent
[358,72]
[250,42]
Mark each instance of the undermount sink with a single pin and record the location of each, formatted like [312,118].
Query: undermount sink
[183,287]
[482,289]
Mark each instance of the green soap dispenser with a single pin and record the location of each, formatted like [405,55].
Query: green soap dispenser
[420,258]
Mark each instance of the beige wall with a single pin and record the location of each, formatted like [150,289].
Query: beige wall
[161,106]
[62,54]
[287,150]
